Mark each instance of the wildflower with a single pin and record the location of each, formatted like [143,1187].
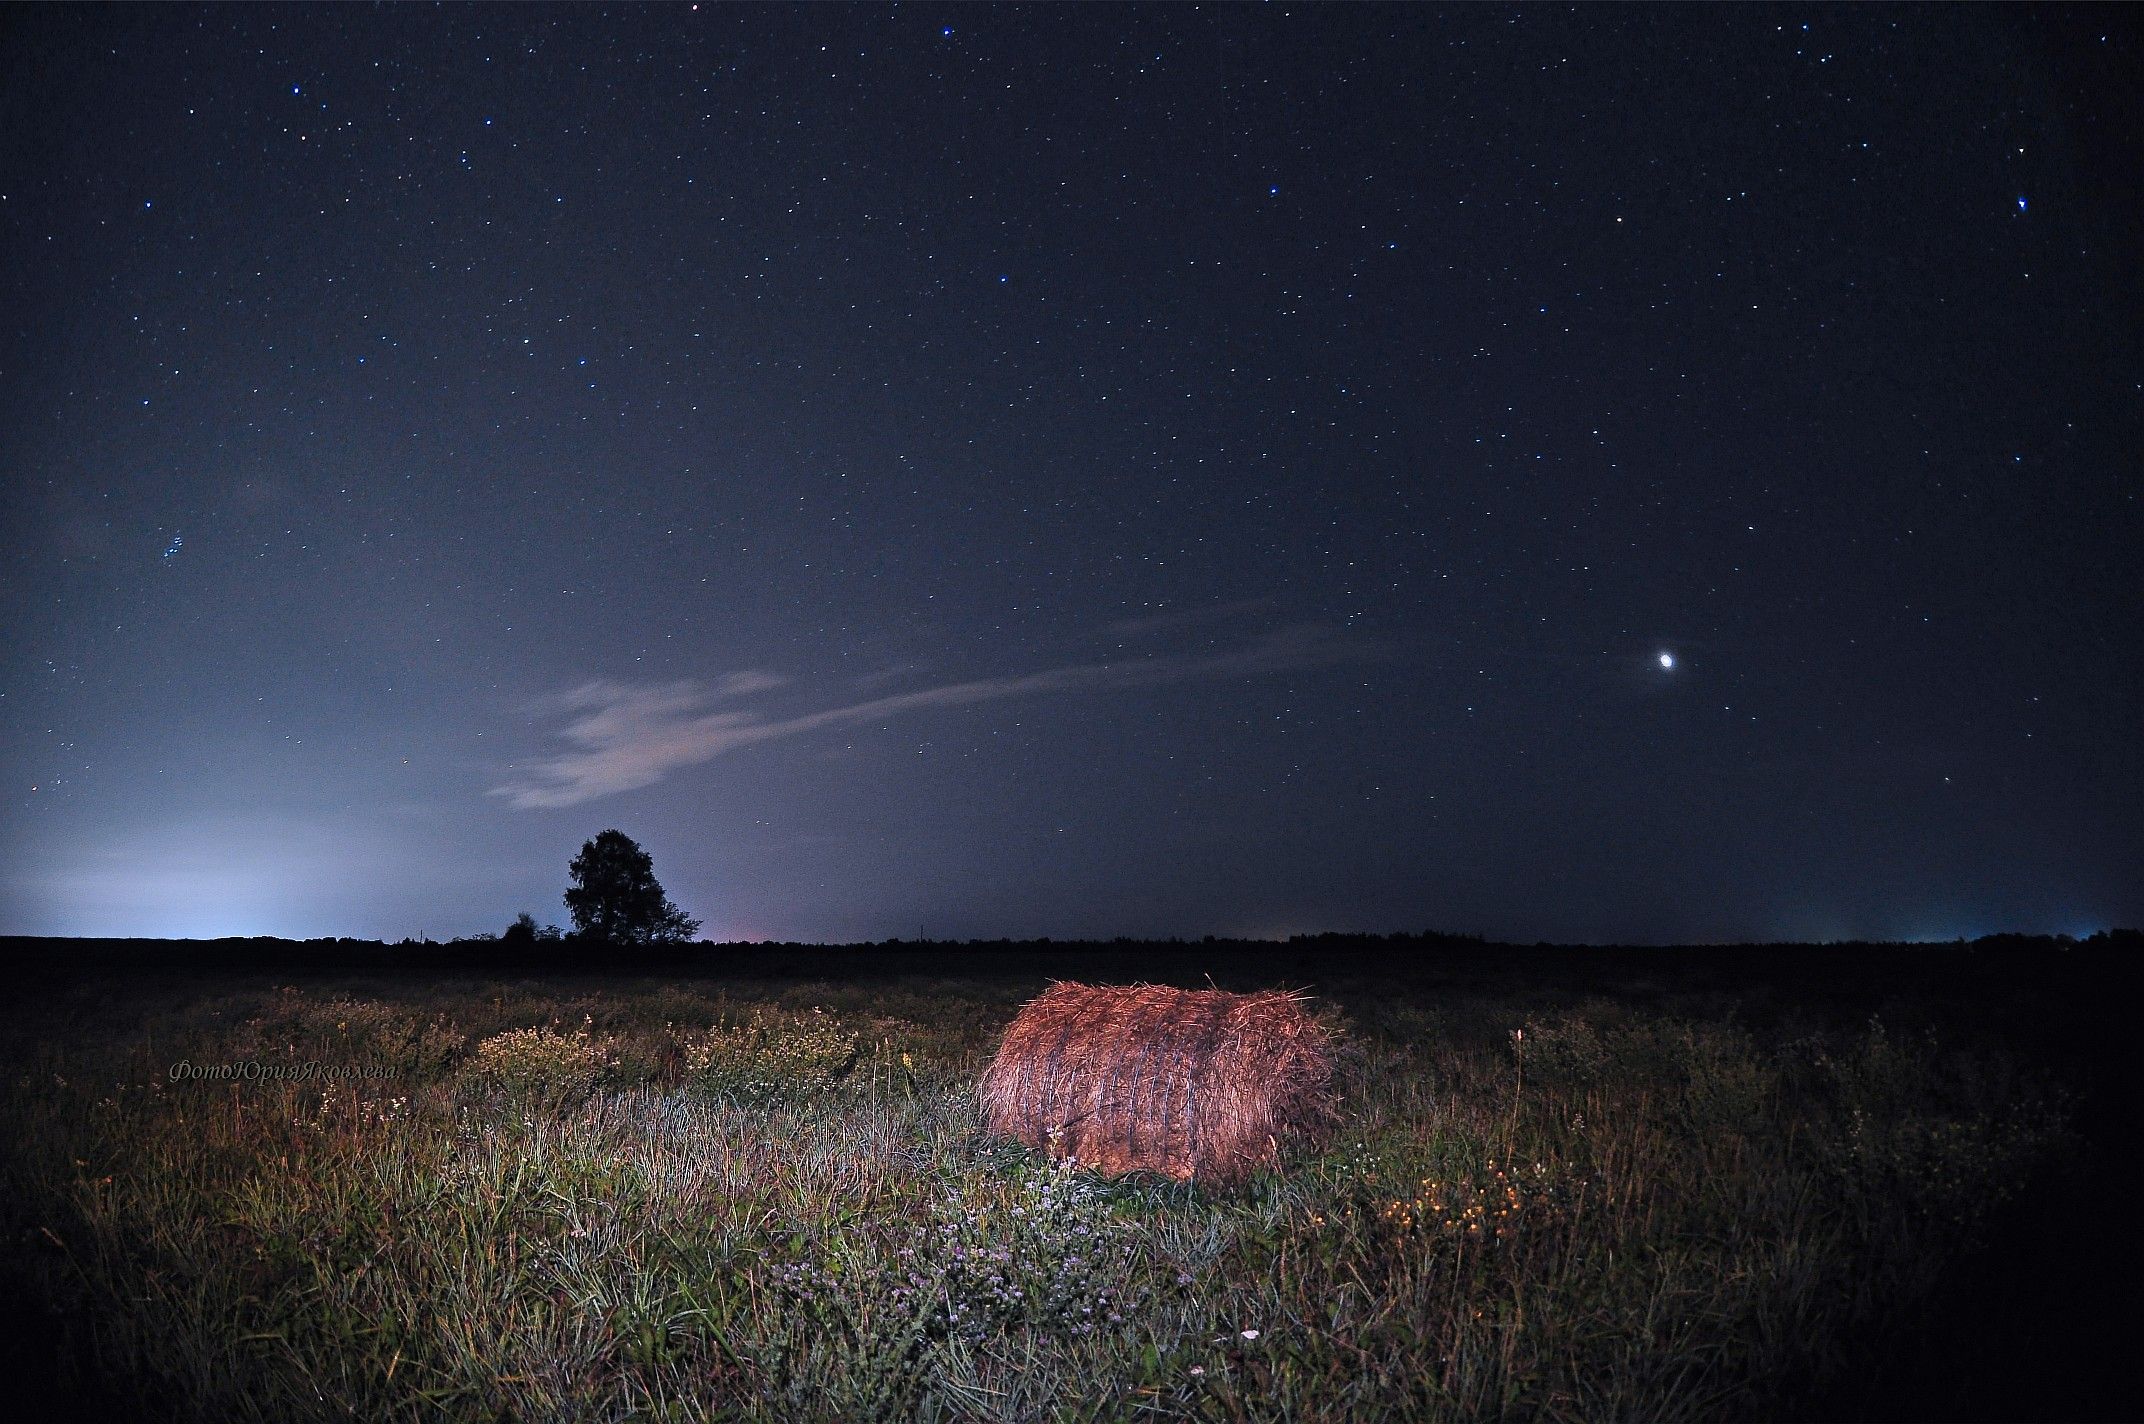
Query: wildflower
[1198,1369]
[1250,1334]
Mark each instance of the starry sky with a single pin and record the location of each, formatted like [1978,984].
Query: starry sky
[1613,474]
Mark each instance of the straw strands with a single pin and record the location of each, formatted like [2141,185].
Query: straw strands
[1184,1082]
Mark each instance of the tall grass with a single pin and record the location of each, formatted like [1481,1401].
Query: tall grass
[673,1204]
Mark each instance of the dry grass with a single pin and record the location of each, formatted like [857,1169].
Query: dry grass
[1542,1208]
[1145,1078]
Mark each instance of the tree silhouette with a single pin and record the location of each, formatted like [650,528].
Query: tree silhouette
[525,931]
[615,896]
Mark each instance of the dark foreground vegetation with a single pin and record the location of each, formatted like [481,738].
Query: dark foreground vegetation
[544,1182]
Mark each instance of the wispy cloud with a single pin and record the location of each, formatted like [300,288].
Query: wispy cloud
[622,736]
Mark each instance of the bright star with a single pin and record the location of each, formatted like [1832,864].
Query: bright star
[1667,660]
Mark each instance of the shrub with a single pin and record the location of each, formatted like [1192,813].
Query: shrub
[543,1062]
[774,1053]
[1048,1256]
[342,1029]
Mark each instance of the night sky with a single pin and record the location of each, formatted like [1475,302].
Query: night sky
[1618,475]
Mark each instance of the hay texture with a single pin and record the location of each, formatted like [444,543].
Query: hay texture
[1144,1078]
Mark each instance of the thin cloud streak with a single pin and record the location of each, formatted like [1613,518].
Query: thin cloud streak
[625,736]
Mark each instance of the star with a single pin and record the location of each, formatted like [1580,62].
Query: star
[1667,660]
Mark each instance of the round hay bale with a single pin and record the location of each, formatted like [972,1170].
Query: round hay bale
[1145,1078]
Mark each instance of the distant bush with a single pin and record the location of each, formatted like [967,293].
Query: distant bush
[297,1025]
[773,1053]
[543,1062]
[1041,1252]
[1717,1076]
[525,931]
[1563,1050]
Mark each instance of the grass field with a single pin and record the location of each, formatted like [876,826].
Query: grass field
[768,1198]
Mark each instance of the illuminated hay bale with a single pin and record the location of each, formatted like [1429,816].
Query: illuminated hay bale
[1183,1082]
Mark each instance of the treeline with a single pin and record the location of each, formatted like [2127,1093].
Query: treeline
[1302,959]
